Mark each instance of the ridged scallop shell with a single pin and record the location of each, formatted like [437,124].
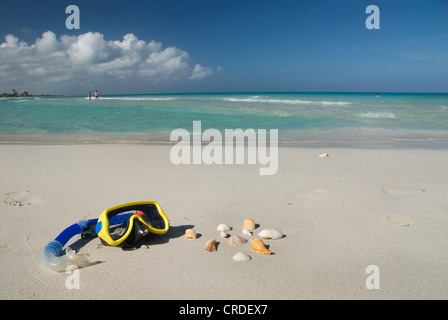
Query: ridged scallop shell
[190,234]
[273,234]
[241,256]
[259,247]
[223,227]
[236,241]
[211,246]
[249,224]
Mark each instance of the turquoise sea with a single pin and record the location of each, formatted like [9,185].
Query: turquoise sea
[299,117]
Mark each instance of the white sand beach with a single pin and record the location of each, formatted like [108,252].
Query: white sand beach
[341,214]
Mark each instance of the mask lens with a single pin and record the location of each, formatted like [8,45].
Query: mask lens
[119,218]
[152,216]
[118,224]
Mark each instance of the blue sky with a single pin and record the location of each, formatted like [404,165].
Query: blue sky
[221,46]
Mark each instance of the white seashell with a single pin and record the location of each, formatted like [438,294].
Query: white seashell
[324,155]
[247,232]
[241,256]
[223,227]
[223,234]
[270,234]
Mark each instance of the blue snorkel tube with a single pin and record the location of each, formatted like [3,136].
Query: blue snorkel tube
[51,258]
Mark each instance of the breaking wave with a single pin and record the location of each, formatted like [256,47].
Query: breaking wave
[286,101]
[377,115]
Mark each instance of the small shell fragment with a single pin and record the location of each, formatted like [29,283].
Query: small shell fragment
[211,246]
[247,232]
[249,224]
[223,227]
[241,256]
[190,234]
[236,241]
[273,234]
[259,247]
[324,155]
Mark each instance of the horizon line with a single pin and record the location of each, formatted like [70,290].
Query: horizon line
[268,92]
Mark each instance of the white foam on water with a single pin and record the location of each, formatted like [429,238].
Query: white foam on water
[377,115]
[286,101]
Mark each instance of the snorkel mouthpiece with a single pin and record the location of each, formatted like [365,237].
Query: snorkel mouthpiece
[51,257]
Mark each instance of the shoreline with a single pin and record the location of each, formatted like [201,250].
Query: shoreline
[341,214]
[88,139]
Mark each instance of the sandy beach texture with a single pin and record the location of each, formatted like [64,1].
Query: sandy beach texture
[359,207]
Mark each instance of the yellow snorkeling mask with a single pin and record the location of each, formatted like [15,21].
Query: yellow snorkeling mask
[125,224]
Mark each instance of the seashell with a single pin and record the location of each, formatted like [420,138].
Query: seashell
[273,234]
[247,232]
[190,234]
[324,155]
[223,227]
[223,234]
[210,246]
[241,256]
[249,224]
[259,247]
[236,241]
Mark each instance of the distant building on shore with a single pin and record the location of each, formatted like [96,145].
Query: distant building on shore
[15,93]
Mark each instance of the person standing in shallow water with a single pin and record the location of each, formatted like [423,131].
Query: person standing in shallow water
[96,94]
[90,95]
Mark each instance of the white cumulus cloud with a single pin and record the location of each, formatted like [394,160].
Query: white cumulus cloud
[76,59]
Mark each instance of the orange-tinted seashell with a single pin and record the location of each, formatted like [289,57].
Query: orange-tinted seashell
[259,247]
[210,246]
[190,234]
[249,224]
